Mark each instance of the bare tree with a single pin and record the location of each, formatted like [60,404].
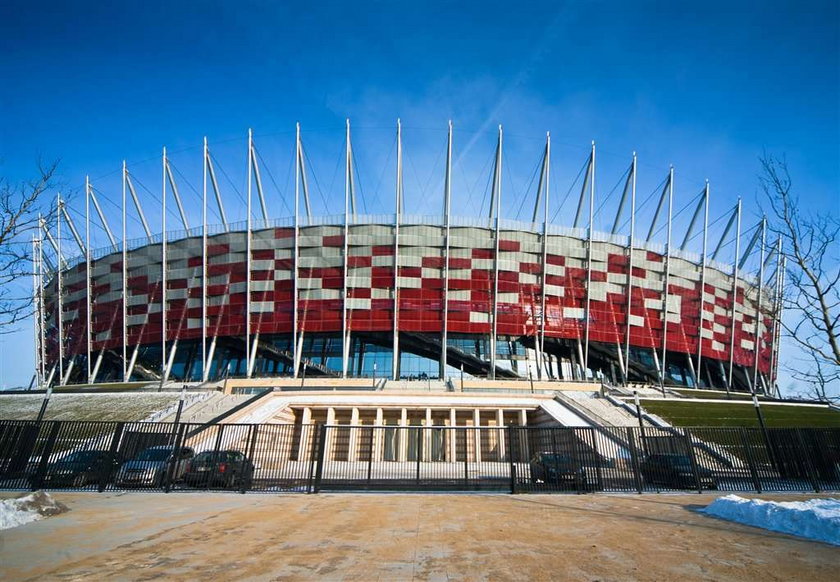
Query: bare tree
[21,204]
[811,298]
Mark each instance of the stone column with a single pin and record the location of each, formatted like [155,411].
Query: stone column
[378,435]
[353,445]
[427,437]
[500,433]
[523,445]
[306,434]
[453,437]
[477,435]
[403,432]
[328,446]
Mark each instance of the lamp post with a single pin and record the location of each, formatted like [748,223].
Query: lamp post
[44,404]
[641,422]
[181,399]
[763,427]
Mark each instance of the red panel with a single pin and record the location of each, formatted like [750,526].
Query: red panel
[359,262]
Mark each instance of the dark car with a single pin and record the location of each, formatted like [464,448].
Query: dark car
[80,468]
[675,470]
[556,469]
[152,465]
[226,469]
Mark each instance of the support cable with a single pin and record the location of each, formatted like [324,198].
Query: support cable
[273,181]
[569,191]
[524,198]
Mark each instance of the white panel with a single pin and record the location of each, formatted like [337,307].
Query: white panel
[573,312]
[477,317]
[358,303]
[262,306]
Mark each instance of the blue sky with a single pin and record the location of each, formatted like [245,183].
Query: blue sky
[704,86]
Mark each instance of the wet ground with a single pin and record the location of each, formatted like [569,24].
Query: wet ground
[145,536]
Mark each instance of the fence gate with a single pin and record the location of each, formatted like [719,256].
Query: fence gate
[414,458]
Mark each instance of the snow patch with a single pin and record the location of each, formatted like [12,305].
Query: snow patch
[816,519]
[30,507]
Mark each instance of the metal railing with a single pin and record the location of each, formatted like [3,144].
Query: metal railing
[309,458]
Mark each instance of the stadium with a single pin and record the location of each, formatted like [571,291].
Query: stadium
[399,296]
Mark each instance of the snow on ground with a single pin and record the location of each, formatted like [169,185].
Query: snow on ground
[817,519]
[30,507]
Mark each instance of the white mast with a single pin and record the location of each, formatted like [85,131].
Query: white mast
[295,351]
[498,208]
[589,262]
[248,260]
[163,370]
[348,178]
[545,184]
[88,326]
[703,284]
[734,297]
[124,285]
[398,193]
[667,281]
[631,245]
[59,267]
[205,364]
[758,314]
[447,196]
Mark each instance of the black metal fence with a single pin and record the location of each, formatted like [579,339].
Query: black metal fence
[311,458]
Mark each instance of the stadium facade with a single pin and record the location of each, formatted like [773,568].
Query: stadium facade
[400,296]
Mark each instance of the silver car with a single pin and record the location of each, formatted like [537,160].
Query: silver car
[149,468]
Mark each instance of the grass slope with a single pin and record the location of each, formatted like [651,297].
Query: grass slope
[699,413]
[118,406]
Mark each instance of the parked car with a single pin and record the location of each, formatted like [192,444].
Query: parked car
[228,469]
[80,468]
[557,469]
[675,470]
[149,468]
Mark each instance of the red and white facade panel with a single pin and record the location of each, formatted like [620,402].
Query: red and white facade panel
[693,314]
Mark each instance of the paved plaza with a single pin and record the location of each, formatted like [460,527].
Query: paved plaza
[189,536]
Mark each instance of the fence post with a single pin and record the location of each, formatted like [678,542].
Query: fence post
[45,455]
[634,459]
[419,452]
[554,452]
[466,455]
[599,473]
[173,462]
[750,461]
[249,483]
[322,451]
[108,469]
[579,465]
[216,447]
[315,431]
[370,455]
[689,443]
[512,457]
[806,459]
